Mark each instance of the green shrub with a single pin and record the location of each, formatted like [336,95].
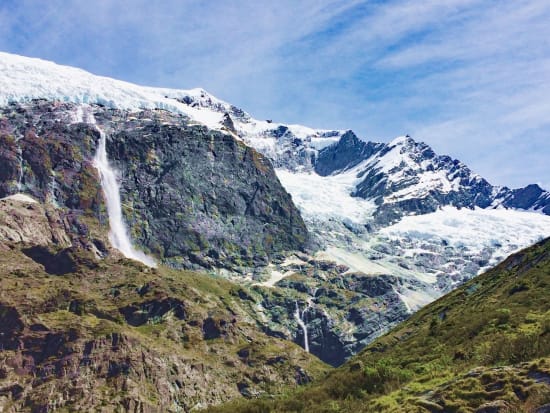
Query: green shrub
[384,377]
[521,285]
[503,316]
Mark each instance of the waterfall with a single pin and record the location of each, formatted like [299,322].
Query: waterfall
[299,319]
[118,233]
[20,178]
[52,187]
[403,300]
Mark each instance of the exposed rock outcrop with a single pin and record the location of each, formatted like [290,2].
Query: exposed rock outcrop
[23,220]
[123,336]
[192,197]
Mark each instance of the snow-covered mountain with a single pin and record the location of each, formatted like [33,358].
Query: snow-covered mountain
[23,79]
[332,175]
[408,177]
[394,173]
[390,209]
[400,208]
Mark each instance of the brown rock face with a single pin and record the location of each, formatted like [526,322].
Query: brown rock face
[23,220]
[117,336]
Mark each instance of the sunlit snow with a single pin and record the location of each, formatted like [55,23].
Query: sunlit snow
[326,197]
[474,229]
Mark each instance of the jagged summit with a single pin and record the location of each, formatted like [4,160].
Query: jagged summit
[405,177]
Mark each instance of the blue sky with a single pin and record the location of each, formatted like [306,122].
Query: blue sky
[471,78]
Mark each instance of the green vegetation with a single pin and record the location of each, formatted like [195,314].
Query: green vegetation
[485,344]
[123,326]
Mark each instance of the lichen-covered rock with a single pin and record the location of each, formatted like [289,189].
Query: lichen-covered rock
[192,197]
[121,336]
[200,198]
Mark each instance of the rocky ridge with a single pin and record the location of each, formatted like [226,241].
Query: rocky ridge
[407,177]
[117,334]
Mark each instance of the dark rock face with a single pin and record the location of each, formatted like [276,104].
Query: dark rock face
[152,311]
[371,286]
[529,197]
[215,328]
[54,263]
[207,199]
[329,298]
[10,163]
[51,156]
[324,342]
[10,327]
[346,153]
[192,197]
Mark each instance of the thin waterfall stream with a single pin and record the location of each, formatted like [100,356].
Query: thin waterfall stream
[299,319]
[118,233]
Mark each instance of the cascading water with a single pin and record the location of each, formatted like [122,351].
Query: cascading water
[52,187]
[118,234]
[20,178]
[299,319]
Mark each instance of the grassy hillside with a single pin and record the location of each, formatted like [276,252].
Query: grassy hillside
[78,334]
[484,347]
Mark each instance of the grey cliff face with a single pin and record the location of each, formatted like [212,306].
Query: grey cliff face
[348,152]
[201,198]
[342,310]
[192,197]
[530,197]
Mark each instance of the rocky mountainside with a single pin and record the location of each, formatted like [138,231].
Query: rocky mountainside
[357,235]
[399,209]
[485,347]
[192,197]
[82,334]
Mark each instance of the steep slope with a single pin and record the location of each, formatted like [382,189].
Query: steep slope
[82,334]
[192,197]
[484,347]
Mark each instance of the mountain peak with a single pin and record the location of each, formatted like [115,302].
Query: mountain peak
[349,136]
[399,171]
[401,140]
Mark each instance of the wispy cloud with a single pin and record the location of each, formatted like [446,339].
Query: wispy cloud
[470,77]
